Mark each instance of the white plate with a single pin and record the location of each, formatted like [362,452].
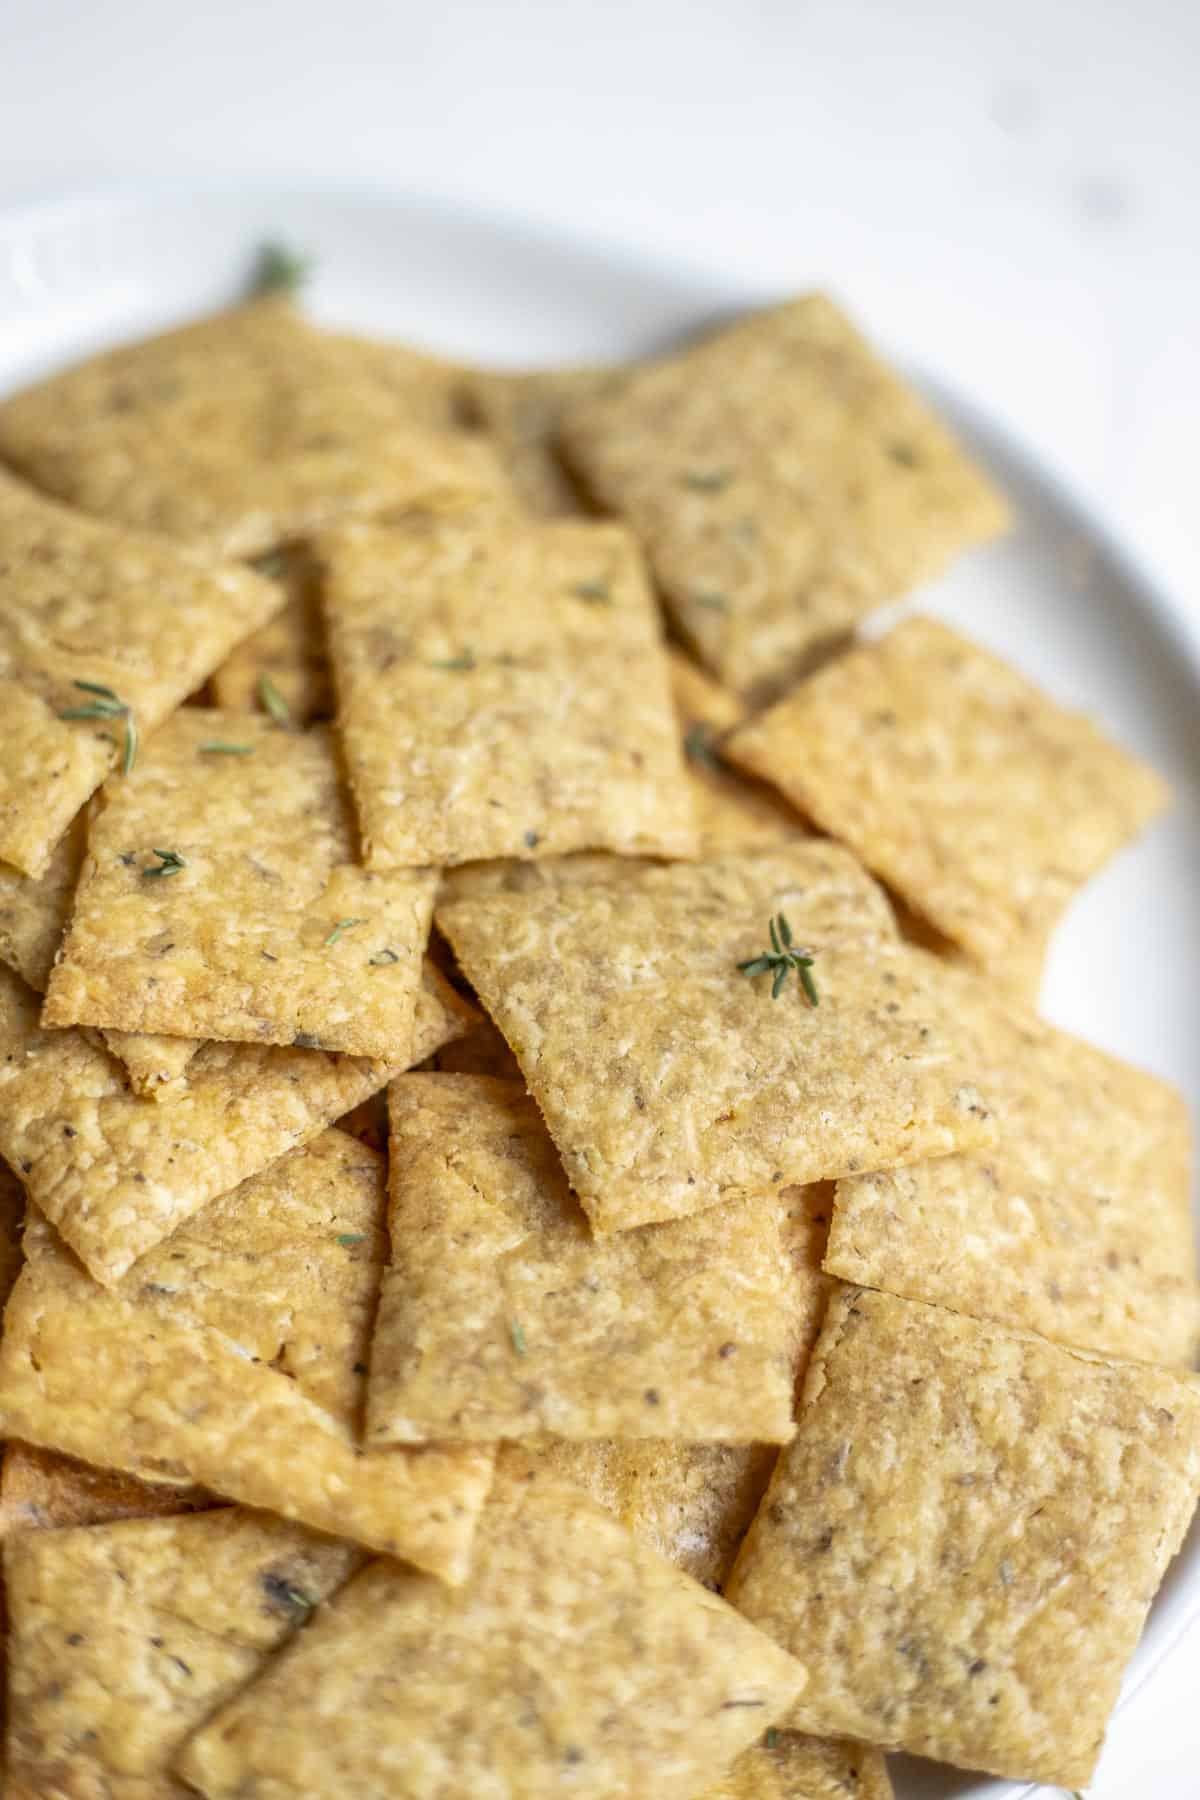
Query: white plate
[1061,598]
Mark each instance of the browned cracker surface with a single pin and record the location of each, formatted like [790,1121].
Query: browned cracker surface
[784,481]
[669,1080]
[270,932]
[235,1357]
[502,691]
[532,1679]
[244,431]
[963,786]
[82,601]
[43,1491]
[947,1480]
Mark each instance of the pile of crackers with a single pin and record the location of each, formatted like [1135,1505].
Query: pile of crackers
[549,1250]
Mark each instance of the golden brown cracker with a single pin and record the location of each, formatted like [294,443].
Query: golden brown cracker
[235,1357]
[786,1765]
[785,483]
[730,809]
[84,607]
[670,1080]
[521,412]
[534,1677]
[966,1533]
[220,898]
[1076,1223]
[116,1173]
[43,1491]
[286,660]
[245,431]
[124,1637]
[969,791]
[500,1316]
[481,1051]
[502,691]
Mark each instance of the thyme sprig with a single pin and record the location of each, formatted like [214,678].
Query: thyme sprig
[782,957]
[279,270]
[342,926]
[170,863]
[273,701]
[104,704]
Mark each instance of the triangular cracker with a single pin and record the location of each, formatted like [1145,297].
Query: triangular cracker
[235,1357]
[785,482]
[98,622]
[265,930]
[534,1679]
[43,1491]
[670,1080]
[502,691]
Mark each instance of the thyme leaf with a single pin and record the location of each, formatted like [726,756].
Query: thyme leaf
[279,270]
[169,863]
[347,1239]
[597,592]
[217,748]
[273,701]
[464,660]
[104,704]
[518,1337]
[781,959]
[707,481]
[698,745]
[342,926]
[713,602]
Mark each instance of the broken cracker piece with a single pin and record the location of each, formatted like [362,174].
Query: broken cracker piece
[532,1676]
[946,1477]
[235,1357]
[785,483]
[287,657]
[975,796]
[43,1491]
[255,923]
[502,691]
[787,1765]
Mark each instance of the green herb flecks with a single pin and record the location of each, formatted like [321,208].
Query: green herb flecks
[464,660]
[217,748]
[711,601]
[381,957]
[169,863]
[772,1738]
[104,704]
[339,930]
[272,563]
[707,481]
[348,1239]
[780,959]
[518,1337]
[279,270]
[597,593]
[699,747]
[273,701]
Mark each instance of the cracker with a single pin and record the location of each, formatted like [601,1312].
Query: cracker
[534,1679]
[481,1051]
[1076,1223]
[502,691]
[786,1765]
[43,1491]
[947,1478]
[84,602]
[126,1636]
[730,810]
[785,483]
[117,1174]
[978,798]
[235,1357]
[521,413]
[244,431]
[288,653]
[12,1226]
[670,1081]
[501,1317]
[270,933]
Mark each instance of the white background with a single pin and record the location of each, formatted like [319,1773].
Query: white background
[1009,193]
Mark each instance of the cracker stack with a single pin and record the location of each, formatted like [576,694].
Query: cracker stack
[527,1273]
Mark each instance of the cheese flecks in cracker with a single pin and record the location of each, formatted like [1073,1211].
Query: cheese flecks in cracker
[116,1173]
[502,1317]
[946,1479]
[84,602]
[502,691]
[785,483]
[533,1679]
[40,1490]
[269,932]
[245,431]
[287,655]
[1076,1223]
[984,803]
[521,413]
[235,1357]
[124,1637]
[671,1080]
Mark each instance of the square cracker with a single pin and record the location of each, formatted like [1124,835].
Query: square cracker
[116,1173]
[1076,1223]
[124,1637]
[502,691]
[271,933]
[534,1679]
[501,1316]
[521,414]
[784,481]
[43,1491]
[235,1357]
[730,810]
[670,1081]
[244,431]
[289,651]
[945,1480]
[978,798]
[85,602]
[787,1765]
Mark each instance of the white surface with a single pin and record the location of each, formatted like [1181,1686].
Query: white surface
[1007,191]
